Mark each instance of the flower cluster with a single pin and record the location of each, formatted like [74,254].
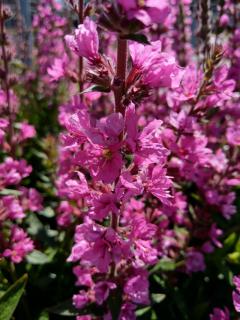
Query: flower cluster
[162,158]
[49,27]
[15,199]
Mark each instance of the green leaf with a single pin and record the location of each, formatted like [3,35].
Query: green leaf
[11,298]
[234,257]
[37,257]
[141,38]
[10,192]
[95,88]
[159,280]
[48,212]
[35,225]
[44,316]
[142,311]
[230,240]
[64,308]
[164,265]
[158,297]
[154,315]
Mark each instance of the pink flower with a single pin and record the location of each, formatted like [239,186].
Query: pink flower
[3,126]
[81,299]
[85,40]
[85,317]
[99,255]
[31,199]
[195,261]
[102,154]
[84,277]
[13,171]
[58,69]
[26,131]
[236,294]
[233,134]
[158,69]
[146,145]
[224,20]
[236,300]
[65,211]
[236,281]
[102,290]
[219,314]
[189,85]
[136,288]
[128,311]
[152,11]
[104,205]
[157,183]
[12,207]
[214,234]
[73,187]
[20,245]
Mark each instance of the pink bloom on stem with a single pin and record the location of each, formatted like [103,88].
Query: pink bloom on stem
[145,145]
[13,207]
[20,245]
[102,156]
[137,288]
[189,84]
[104,205]
[26,131]
[81,299]
[85,40]
[58,69]
[158,69]
[99,255]
[102,290]
[74,186]
[64,217]
[158,183]
[84,277]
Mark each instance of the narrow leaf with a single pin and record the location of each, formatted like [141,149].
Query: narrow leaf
[64,308]
[10,192]
[95,88]
[11,298]
[140,38]
[158,297]
[37,257]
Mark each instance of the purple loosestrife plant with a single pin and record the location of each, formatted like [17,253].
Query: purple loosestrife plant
[15,199]
[147,166]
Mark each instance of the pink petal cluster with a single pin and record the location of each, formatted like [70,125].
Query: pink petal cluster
[236,293]
[147,12]
[85,41]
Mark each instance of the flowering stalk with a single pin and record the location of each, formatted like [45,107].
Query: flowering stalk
[80,63]
[5,75]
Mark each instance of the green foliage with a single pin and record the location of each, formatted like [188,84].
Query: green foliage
[10,299]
